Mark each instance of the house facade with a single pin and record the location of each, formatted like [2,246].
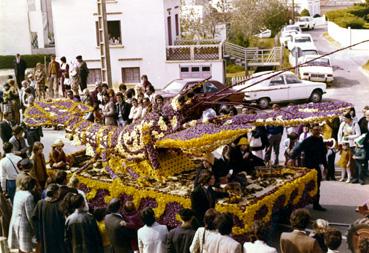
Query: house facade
[313,6]
[144,39]
[29,24]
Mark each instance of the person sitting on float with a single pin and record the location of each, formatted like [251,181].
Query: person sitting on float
[242,159]
[215,166]
[57,158]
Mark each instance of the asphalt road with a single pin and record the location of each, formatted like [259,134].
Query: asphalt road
[351,84]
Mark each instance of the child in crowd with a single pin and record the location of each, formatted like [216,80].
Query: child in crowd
[359,157]
[344,162]
[290,144]
[99,214]
[320,227]
[332,239]
[134,221]
[305,133]
[331,157]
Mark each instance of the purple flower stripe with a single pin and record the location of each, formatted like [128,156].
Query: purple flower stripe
[111,172]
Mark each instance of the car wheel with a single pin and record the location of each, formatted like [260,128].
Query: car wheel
[264,103]
[316,96]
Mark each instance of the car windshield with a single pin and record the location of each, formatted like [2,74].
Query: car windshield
[308,52]
[319,62]
[303,19]
[292,28]
[175,86]
[303,39]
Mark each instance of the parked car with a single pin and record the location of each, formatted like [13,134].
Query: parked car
[319,70]
[287,32]
[211,87]
[306,22]
[300,53]
[264,34]
[301,40]
[281,88]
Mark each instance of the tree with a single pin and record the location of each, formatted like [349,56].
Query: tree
[251,16]
[305,12]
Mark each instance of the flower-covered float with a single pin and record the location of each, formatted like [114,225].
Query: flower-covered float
[151,162]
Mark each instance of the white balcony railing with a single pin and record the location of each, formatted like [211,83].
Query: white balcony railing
[195,52]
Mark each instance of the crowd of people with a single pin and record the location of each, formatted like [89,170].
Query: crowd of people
[53,216]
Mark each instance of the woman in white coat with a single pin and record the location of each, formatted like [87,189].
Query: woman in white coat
[20,229]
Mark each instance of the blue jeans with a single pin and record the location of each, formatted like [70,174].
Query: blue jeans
[10,189]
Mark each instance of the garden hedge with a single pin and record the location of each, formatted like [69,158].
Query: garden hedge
[7,61]
[356,17]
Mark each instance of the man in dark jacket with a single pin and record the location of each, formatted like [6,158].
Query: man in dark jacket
[363,121]
[204,197]
[120,236]
[122,108]
[81,231]
[315,156]
[83,72]
[20,67]
[180,239]
[6,131]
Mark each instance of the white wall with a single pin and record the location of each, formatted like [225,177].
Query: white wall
[143,35]
[14,27]
[342,35]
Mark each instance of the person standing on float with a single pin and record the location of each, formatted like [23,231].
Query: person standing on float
[315,156]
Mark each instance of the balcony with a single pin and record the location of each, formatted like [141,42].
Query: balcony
[195,50]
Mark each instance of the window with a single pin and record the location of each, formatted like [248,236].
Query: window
[191,71]
[195,69]
[114,33]
[290,79]
[94,75]
[185,69]
[209,87]
[176,19]
[131,75]
[277,80]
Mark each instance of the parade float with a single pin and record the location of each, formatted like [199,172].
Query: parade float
[152,162]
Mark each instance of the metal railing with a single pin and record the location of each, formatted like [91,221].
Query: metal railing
[253,56]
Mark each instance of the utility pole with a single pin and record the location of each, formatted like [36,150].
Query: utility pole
[104,43]
[293,11]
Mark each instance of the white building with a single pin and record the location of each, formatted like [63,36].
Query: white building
[313,6]
[25,27]
[145,36]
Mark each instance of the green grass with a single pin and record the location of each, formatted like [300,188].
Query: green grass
[356,17]
[286,62]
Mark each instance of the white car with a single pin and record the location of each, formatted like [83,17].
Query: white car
[264,34]
[300,53]
[302,41]
[306,22]
[319,70]
[287,32]
[280,88]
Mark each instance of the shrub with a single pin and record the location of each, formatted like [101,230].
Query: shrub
[7,61]
[232,68]
[350,21]
[305,12]
[355,17]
